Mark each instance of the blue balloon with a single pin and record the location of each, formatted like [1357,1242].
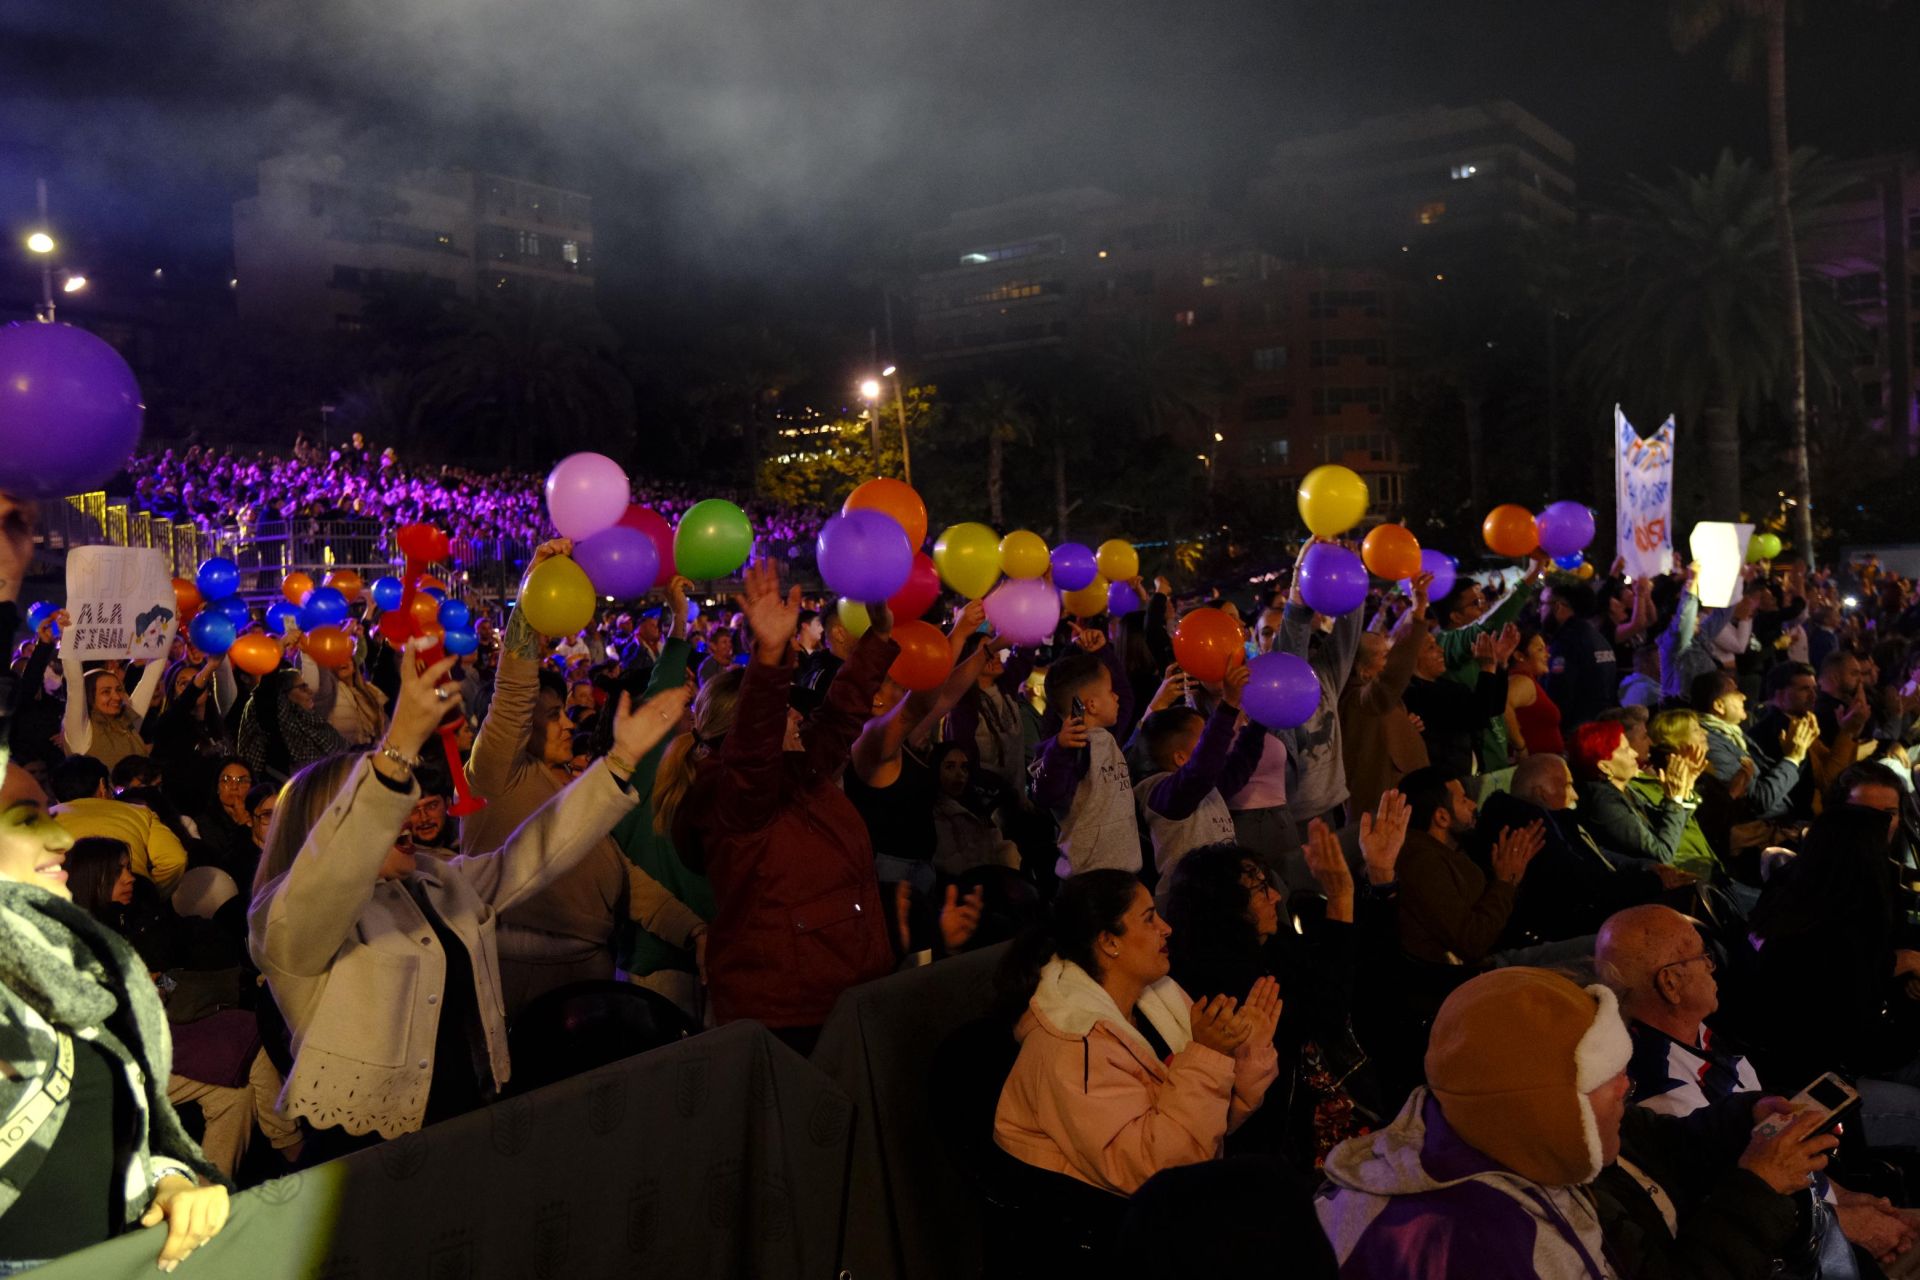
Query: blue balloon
[236,611]
[455,616]
[1569,562]
[217,578]
[212,632]
[280,615]
[39,613]
[459,641]
[1074,567]
[435,592]
[387,592]
[326,607]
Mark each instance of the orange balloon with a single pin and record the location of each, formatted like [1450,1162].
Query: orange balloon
[1207,642]
[255,654]
[186,598]
[297,587]
[1391,552]
[425,609]
[329,646]
[428,580]
[897,499]
[1510,531]
[346,582]
[925,659]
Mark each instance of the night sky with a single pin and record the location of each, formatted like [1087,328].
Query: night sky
[730,140]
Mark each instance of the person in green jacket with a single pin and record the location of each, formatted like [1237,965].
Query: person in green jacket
[1679,733]
[1464,616]
[647,959]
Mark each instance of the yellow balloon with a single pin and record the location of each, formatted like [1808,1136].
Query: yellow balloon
[1023,554]
[968,557]
[1584,572]
[1117,560]
[1332,500]
[1088,600]
[854,617]
[556,599]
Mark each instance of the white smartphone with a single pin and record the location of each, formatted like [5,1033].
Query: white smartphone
[1830,1095]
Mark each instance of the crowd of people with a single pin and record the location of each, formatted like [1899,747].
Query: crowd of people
[1511,961]
[216,488]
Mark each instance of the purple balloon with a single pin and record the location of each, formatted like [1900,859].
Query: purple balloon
[1121,598]
[1073,567]
[586,492]
[620,561]
[864,554]
[1444,568]
[1024,610]
[1332,579]
[69,410]
[1282,692]
[1565,528]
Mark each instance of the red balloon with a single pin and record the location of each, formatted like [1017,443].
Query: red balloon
[396,627]
[1206,643]
[655,526]
[422,542]
[925,658]
[922,589]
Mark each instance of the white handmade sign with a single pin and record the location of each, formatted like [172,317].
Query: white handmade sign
[1720,549]
[1643,493]
[120,604]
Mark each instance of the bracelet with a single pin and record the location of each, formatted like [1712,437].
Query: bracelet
[409,763]
[618,765]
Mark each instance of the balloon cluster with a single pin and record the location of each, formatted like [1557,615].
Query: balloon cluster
[1764,546]
[1562,531]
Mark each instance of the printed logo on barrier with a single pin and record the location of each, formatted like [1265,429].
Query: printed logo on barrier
[511,1127]
[827,1123]
[690,1088]
[607,1104]
[550,1241]
[724,1181]
[452,1257]
[280,1190]
[643,1214]
[405,1156]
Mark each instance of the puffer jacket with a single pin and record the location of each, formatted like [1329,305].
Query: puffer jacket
[798,916]
[1088,1096]
[1415,1202]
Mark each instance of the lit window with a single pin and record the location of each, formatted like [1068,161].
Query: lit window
[570,252]
[1461,171]
[1432,212]
[1184,319]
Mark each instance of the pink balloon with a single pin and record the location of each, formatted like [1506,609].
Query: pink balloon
[1024,610]
[655,526]
[922,589]
[586,492]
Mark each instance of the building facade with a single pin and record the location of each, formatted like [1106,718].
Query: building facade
[316,240]
[1868,245]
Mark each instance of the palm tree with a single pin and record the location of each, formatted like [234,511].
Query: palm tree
[1760,37]
[739,383]
[530,377]
[1163,384]
[1686,311]
[995,414]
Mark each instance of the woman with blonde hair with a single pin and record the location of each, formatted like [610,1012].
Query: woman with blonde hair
[385,967]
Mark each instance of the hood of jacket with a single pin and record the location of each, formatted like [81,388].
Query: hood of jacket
[1069,1004]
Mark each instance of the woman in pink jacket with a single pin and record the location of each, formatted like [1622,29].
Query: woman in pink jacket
[1120,1074]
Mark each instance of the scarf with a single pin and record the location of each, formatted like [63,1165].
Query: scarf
[62,971]
[277,738]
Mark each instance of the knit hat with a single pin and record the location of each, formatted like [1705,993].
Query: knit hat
[1512,1057]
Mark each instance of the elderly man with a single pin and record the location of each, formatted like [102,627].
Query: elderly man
[1500,1167]
[1658,965]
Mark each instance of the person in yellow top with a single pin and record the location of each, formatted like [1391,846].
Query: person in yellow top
[87,808]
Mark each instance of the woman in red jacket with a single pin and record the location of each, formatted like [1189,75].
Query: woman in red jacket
[799,917]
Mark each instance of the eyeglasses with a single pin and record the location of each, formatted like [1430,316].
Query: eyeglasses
[1707,956]
[1255,877]
[227,780]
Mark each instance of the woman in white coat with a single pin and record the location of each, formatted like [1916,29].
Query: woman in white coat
[384,966]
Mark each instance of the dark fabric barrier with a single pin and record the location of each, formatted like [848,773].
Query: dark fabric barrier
[909,1212]
[724,1155]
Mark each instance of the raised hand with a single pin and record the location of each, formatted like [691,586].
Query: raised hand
[1172,689]
[1090,639]
[1854,718]
[677,606]
[423,701]
[1235,683]
[636,730]
[960,917]
[1800,736]
[1515,849]
[1420,582]
[549,549]
[1382,833]
[1483,651]
[966,620]
[1329,867]
[1504,644]
[1682,770]
[1262,1012]
[1216,1025]
[773,617]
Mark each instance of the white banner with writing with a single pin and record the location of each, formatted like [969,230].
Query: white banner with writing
[120,604]
[1643,496]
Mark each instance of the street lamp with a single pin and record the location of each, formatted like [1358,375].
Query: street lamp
[41,243]
[74,284]
[870,391]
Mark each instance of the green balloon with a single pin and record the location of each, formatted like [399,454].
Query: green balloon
[713,540]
